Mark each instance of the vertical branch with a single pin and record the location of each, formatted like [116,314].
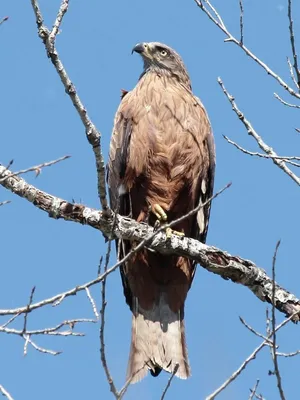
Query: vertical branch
[274,352]
[292,40]
[28,308]
[109,378]
[241,21]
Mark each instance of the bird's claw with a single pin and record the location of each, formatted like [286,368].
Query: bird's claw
[170,232]
[162,217]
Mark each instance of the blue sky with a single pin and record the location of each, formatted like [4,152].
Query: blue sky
[39,123]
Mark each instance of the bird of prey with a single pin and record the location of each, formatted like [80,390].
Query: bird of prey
[161,166]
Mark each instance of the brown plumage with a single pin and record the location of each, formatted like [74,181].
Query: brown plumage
[161,152]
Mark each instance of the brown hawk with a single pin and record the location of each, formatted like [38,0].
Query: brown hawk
[161,165]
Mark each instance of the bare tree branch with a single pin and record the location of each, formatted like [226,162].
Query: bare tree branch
[92,301]
[253,391]
[292,40]
[28,308]
[285,102]
[251,131]
[286,159]
[109,378]
[217,20]
[36,168]
[287,355]
[3,20]
[292,71]
[270,342]
[53,331]
[237,269]
[60,15]
[169,382]
[2,203]
[92,134]
[5,393]
[38,348]
[241,21]
[274,353]
[247,361]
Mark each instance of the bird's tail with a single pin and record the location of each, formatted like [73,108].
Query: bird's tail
[157,342]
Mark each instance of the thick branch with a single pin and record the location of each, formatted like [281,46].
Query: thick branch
[211,258]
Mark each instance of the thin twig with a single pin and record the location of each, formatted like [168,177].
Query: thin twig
[10,320]
[274,354]
[292,40]
[28,309]
[39,348]
[109,378]
[286,159]
[287,355]
[292,73]
[3,20]
[285,102]
[170,381]
[253,391]
[92,301]
[61,13]
[270,342]
[2,203]
[53,331]
[237,372]
[36,168]
[241,21]
[93,135]
[5,393]
[247,361]
[251,131]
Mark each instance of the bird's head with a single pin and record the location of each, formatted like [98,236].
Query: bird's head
[160,57]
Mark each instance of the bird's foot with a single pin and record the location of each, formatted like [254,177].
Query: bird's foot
[162,217]
[170,232]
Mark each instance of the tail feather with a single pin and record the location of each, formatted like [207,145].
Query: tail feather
[158,342]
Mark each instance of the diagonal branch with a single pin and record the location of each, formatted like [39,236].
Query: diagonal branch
[5,393]
[3,20]
[92,134]
[37,168]
[286,159]
[217,20]
[220,262]
[251,357]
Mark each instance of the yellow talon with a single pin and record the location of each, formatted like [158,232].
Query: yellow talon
[162,217]
[159,212]
[170,232]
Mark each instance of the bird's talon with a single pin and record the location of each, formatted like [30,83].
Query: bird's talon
[170,232]
[159,212]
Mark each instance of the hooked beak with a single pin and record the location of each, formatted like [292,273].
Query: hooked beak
[138,48]
[144,49]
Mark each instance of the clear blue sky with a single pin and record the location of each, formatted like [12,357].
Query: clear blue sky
[39,123]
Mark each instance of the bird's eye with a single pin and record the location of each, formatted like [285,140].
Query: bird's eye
[163,53]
